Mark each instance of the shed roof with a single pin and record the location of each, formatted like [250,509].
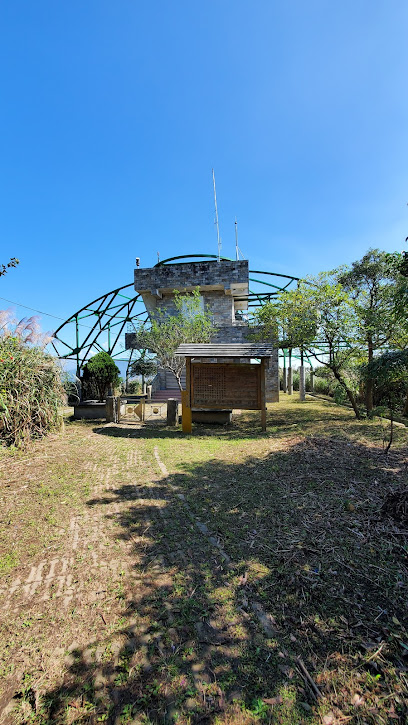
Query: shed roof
[242,349]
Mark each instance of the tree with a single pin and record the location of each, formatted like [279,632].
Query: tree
[144,366]
[403,267]
[102,371]
[390,373]
[372,283]
[5,267]
[191,323]
[291,321]
[319,318]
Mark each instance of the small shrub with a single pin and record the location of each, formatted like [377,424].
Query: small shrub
[101,373]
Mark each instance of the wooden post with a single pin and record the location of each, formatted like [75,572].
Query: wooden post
[188,381]
[263,396]
[186,415]
[172,411]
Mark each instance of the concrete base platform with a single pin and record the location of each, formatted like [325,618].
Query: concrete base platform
[220,417]
[94,410]
[89,409]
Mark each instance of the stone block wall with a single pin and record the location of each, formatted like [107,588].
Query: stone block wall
[219,305]
[191,274]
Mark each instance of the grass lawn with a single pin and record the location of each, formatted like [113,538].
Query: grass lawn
[226,577]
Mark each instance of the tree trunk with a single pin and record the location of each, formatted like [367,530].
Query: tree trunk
[369,383]
[405,411]
[349,392]
[391,431]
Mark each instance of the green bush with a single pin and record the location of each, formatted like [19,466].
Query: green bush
[30,383]
[101,373]
[340,395]
[322,386]
[134,387]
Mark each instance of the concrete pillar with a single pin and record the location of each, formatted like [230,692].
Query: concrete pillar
[149,392]
[285,380]
[302,385]
[172,411]
[144,387]
[311,379]
[290,381]
[112,408]
[272,378]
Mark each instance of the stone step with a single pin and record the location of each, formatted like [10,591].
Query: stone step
[163,395]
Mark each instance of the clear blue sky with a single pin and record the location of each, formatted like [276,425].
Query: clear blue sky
[113,114]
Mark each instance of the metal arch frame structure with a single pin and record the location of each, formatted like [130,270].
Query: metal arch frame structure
[111,312]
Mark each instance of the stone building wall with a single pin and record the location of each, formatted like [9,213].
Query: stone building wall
[219,283]
[191,274]
[220,306]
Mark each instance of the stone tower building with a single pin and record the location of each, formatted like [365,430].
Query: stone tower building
[224,288]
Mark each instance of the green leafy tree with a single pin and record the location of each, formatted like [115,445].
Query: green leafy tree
[334,343]
[373,283]
[101,371]
[319,318]
[403,266]
[191,323]
[291,319]
[5,267]
[144,366]
[390,373]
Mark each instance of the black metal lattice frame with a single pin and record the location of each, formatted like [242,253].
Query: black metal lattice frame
[112,312]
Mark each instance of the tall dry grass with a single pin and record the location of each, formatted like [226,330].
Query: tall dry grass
[30,381]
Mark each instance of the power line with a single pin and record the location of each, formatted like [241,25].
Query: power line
[47,314]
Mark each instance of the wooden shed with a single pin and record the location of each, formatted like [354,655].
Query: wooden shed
[224,377]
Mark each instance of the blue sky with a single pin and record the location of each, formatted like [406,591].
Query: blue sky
[114,113]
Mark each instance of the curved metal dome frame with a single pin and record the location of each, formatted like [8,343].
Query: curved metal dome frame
[112,311]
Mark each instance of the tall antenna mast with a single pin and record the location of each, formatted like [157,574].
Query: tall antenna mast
[236,240]
[216,219]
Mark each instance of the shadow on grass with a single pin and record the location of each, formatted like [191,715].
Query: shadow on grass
[239,569]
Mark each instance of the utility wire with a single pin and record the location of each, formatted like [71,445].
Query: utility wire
[39,311]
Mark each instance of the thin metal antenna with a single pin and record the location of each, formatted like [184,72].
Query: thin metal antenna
[236,240]
[216,219]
